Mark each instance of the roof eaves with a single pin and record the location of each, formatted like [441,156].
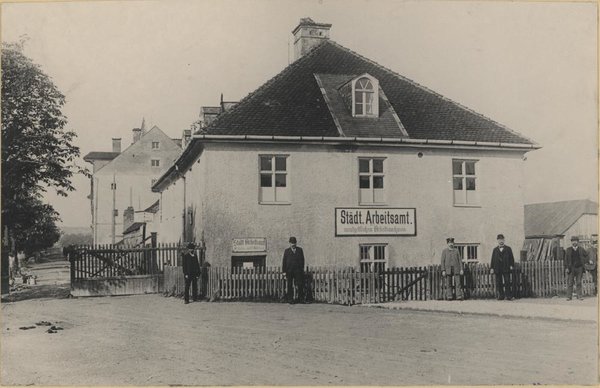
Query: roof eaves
[350,139]
[181,165]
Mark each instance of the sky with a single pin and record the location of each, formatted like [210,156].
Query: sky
[531,66]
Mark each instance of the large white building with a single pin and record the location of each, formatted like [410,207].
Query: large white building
[123,179]
[364,166]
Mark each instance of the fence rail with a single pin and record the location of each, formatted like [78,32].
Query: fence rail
[114,261]
[350,286]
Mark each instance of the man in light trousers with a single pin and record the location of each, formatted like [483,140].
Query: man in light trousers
[452,269]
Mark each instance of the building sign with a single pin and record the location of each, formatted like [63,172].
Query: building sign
[249,244]
[350,221]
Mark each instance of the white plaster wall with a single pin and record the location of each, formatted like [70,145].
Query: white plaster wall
[170,221]
[322,178]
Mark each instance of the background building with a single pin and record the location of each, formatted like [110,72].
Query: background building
[550,225]
[122,179]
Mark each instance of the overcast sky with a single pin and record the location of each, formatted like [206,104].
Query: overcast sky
[530,66]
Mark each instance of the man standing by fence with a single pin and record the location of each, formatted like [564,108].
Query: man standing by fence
[191,271]
[293,267]
[452,270]
[592,264]
[575,257]
[503,263]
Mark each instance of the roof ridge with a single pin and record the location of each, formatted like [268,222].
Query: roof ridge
[430,90]
[256,91]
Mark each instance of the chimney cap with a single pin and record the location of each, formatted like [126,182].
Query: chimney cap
[308,22]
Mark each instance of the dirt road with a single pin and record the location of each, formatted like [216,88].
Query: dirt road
[152,340]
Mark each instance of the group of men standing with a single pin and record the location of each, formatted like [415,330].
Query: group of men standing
[502,266]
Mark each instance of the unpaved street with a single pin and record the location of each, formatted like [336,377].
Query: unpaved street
[152,340]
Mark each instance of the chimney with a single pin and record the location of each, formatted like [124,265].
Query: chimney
[208,114]
[137,134]
[186,136]
[307,35]
[116,144]
[128,218]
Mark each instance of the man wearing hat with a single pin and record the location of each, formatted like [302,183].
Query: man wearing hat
[503,263]
[293,267]
[452,269]
[191,271]
[575,257]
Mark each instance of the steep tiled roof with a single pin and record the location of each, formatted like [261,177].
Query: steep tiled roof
[555,218]
[291,104]
[99,155]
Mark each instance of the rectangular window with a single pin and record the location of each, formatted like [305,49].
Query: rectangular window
[155,145]
[273,177]
[464,182]
[155,163]
[373,257]
[371,180]
[469,252]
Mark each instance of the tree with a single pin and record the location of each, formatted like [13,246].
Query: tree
[37,229]
[76,239]
[37,152]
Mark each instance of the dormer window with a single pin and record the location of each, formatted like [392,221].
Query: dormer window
[365,96]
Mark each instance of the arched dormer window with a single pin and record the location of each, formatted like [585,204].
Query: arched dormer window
[365,96]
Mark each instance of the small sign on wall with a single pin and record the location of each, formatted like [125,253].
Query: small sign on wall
[351,221]
[255,244]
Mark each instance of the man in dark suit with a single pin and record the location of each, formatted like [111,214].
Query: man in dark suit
[575,257]
[503,263]
[293,267]
[191,271]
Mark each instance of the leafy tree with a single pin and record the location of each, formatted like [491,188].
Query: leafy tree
[37,152]
[37,228]
[76,239]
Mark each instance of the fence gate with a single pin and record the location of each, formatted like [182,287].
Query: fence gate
[118,269]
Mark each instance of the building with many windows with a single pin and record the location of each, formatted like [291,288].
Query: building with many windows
[364,166]
[123,179]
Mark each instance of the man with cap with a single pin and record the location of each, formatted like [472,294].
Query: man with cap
[503,263]
[191,271]
[452,269]
[575,257]
[293,267]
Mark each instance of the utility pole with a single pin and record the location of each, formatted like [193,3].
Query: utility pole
[113,187]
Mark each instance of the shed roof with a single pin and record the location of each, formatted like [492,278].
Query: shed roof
[133,227]
[555,218]
[100,155]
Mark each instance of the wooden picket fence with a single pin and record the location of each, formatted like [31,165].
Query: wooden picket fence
[349,286]
[113,261]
